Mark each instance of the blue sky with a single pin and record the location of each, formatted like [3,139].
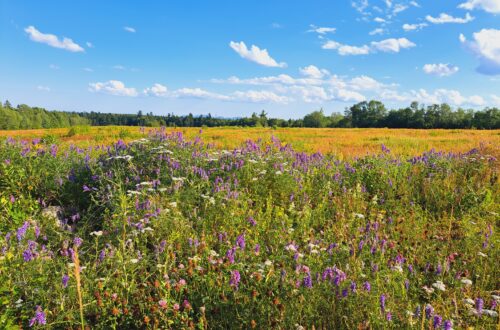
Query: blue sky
[231,58]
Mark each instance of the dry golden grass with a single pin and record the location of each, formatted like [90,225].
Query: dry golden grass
[345,143]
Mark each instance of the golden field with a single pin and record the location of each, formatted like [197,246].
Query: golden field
[345,143]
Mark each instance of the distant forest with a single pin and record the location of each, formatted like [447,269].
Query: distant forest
[363,114]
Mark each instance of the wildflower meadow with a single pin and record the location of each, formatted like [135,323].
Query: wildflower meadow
[168,232]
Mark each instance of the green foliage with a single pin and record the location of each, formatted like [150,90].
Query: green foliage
[179,235]
[363,114]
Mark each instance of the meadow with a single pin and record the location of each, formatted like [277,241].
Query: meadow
[341,142]
[227,228]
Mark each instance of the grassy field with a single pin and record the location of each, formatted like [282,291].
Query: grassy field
[165,231]
[345,143]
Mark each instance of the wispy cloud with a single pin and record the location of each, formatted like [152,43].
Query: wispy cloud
[321,30]
[52,40]
[129,29]
[445,18]
[391,45]
[255,54]
[43,88]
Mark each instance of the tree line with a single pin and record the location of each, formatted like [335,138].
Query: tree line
[363,115]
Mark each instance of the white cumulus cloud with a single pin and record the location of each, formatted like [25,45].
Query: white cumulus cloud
[392,45]
[113,87]
[490,6]
[486,47]
[445,18]
[314,72]
[156,90]
[53,40]
[440,69]
[255,54]
[414,27]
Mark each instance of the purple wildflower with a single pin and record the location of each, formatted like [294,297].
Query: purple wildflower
[240,241]
[429,311]
[22,230]
[65,280]
[438,320]
[367,286]
[382,302]
[448,325]
[388,316]
[235,279]
[479,306]
[230,254]
[39,317]
[77,241]
[308,281]
[252,221]
[353,287]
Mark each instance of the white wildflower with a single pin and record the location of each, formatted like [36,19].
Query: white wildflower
[428,290]
[96,233]
[134,261]
[469,301]
[489,312]
[466,281]
[439,285]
